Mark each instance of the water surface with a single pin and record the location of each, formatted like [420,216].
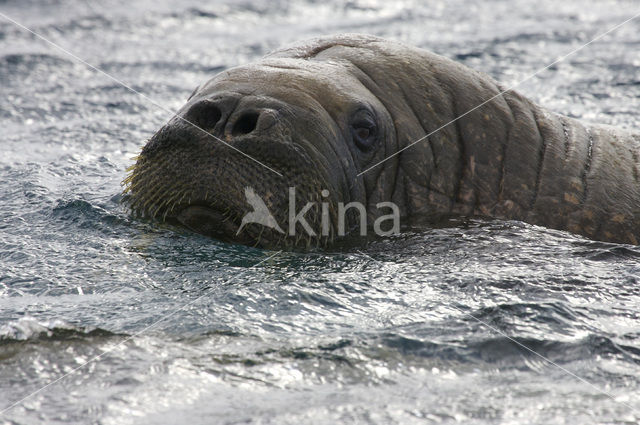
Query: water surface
[431,326]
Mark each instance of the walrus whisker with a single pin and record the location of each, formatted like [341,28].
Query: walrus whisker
[184,193]
[177,190]
[155,191]
[175,199]
[141,177]
[159,206]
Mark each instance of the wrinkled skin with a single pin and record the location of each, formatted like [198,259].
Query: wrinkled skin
[300,111]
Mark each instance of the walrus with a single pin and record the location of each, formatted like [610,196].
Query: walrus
[334,121]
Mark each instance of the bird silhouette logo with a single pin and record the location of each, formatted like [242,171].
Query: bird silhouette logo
[260,214]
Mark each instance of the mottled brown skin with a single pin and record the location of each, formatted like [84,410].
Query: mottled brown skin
[508,159]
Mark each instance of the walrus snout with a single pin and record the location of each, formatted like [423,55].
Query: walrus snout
[198,169]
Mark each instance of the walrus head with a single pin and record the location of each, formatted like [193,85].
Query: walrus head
[296,121]
[358,120]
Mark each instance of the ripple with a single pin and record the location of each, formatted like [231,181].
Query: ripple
[32,330]
[28,62]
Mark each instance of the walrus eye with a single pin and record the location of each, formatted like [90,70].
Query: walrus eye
[364,131]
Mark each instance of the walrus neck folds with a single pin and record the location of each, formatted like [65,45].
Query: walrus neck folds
[519,161]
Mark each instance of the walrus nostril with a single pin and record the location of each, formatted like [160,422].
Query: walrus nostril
[204,114]
[245,124]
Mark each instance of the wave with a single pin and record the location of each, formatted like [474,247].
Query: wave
[29,329]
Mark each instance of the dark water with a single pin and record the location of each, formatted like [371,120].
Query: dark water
[432,326]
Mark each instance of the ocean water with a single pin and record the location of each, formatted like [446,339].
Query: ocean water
[110,319]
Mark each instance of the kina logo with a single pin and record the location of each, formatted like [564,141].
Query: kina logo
[260,214]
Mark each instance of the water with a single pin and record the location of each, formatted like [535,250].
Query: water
[426,327]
